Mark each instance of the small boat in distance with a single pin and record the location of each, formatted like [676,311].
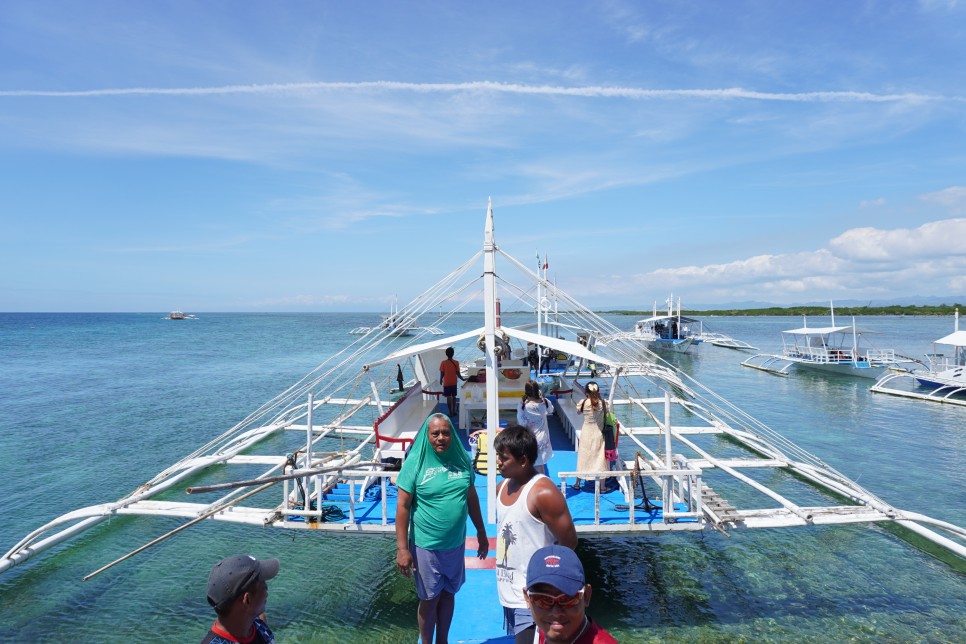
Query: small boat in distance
[943,378]
[831,349]
[399,323]
[179,315]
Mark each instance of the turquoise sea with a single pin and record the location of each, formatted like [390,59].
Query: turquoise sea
[92,405]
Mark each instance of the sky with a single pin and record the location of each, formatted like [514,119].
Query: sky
[332,156]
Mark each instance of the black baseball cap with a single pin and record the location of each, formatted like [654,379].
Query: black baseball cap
[233,574]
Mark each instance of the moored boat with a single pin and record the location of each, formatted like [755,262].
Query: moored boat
[671,331]
[840,350]
[942,377]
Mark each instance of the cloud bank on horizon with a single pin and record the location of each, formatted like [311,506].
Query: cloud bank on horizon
[329,157]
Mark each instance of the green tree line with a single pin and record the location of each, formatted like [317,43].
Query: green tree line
[896,309]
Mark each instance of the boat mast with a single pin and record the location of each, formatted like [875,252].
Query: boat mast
[539,311]
[489,333]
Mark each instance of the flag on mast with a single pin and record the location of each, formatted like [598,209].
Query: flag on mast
[546,262]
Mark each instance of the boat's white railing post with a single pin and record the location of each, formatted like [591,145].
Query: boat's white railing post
[352,501]
[382,499]
[308,433]
[855,342]
[307,461]
[317,486]
[667,482]
[286,506]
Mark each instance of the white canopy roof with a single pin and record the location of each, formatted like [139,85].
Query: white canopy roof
[426,346]
[566,346]
[957,339]
[660,318]
[826,330]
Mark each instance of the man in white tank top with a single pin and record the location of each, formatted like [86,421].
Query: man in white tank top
[531,513]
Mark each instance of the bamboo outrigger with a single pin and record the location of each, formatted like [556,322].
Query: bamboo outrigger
[323,455]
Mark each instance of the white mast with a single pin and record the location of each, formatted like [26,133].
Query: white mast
[489,333]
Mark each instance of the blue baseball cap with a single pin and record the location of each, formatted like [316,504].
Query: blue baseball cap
[557,566]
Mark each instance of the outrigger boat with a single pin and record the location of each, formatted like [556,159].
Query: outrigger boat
[725,341]
[397,325]
[943,378]
[677,333]
[668,332]
[324,454]
[830,349]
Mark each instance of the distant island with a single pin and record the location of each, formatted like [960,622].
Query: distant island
[926,309]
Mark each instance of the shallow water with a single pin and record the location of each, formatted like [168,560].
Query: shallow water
[91,405]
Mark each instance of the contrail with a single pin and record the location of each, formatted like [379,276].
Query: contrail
[637,93]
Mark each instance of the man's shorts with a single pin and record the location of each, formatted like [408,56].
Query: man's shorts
[438,570]
[449,390]
[517,619]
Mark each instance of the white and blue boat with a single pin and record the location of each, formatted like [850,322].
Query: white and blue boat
[322,456]
[942,377]
[839,350]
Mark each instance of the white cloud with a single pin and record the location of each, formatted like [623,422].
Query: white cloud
[727,93]
[953,199]
[934,239]
[872,203]
[861,262]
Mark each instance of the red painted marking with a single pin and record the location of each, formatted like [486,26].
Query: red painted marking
[471,543]
[472,563]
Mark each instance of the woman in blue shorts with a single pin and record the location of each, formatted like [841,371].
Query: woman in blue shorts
[436,493]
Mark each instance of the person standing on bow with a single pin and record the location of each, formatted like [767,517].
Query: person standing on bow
[532,414]
[531,512]
[449,373]
[590,451]
[435,495]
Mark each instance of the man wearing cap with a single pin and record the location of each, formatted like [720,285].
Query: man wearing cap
[558,598]
[238,593]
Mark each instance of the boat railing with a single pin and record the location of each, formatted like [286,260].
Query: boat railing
[880,355]
[812,354]
[356,479]
[940,361]
[678,486]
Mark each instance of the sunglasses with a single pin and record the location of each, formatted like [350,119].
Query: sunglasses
[544,601]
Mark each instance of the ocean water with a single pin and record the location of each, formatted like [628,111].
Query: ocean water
[92,405]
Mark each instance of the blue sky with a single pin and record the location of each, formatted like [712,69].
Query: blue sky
[326,156]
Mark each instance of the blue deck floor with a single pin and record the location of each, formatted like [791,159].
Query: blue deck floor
[479,616]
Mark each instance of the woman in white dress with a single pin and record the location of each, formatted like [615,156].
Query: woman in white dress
[590,451]
[532,414]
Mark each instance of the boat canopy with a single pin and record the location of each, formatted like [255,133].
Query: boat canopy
[957,339]
[564,346]
[427,346]
[827,330]
[558,344]
[661,318]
